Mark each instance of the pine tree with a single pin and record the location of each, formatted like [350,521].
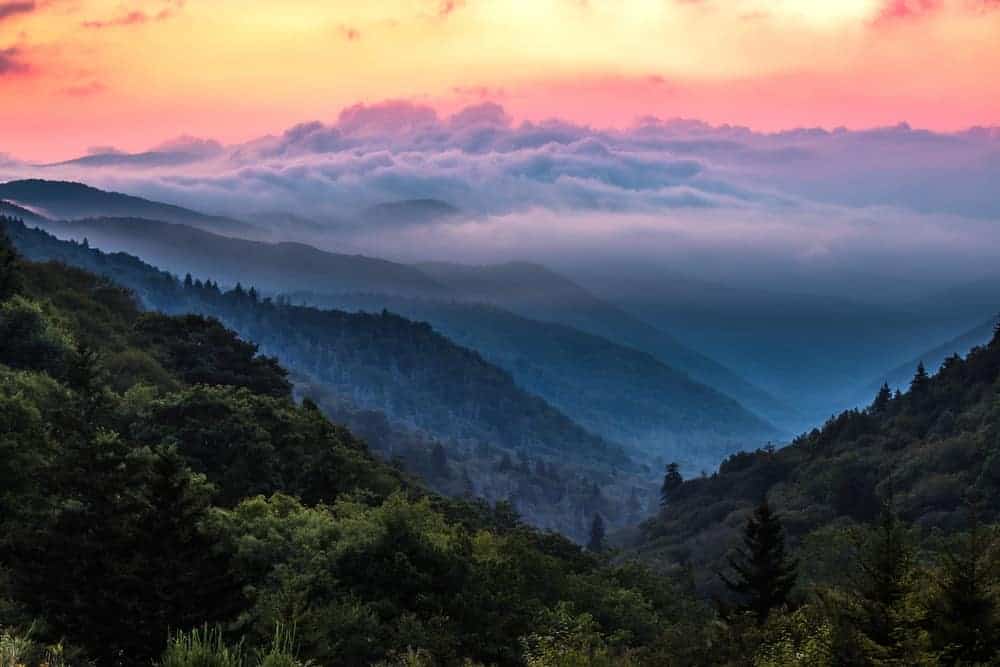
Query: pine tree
[765,575]
[964,624]
[882,399]
[920,379]
[672,481]
[596,542]
[10,278]
[886,624]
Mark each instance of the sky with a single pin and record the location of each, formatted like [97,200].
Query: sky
[820,146]
[78,75]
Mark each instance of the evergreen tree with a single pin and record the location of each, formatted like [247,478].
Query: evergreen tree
[596,542]
[963,620]
[765,575]
[188,281]
[887,627]
[920,379]
[10,280]
[672,481]
[882,399]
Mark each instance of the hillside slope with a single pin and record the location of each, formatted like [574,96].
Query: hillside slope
[621,393]
[900,376]
[68,200]
[535,292]
[420,381]
[148,491]
[273,267]
[928,452]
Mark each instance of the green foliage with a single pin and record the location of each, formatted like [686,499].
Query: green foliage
[201,351]
[30,339]
[10,279]
[207,647]
[764,574]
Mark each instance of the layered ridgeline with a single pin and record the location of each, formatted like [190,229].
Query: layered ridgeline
[900,376]
[528,290]
[534,291]
[622,393]
[412,393]
[146,491]
[817,351]
[66,200]
[273,267]
[613,389]
[931,454]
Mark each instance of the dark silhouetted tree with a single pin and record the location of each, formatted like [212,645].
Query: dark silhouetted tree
[765,575]
[882,399]
[672,480]
[9,277]
[920,379]
[596,542]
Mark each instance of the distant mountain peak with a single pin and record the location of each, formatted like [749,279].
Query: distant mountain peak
[410,211]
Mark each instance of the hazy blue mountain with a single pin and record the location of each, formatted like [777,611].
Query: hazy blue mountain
[900,376]
[15,211]
[970,302]
[273,267]
[67,200]
[533,291]
[144,159]
[619,392]
[408,212]
[378,372]
[806,349]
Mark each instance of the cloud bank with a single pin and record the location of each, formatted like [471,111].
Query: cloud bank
[677,188]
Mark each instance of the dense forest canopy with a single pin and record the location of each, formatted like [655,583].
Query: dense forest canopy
[167,500]
[407,389]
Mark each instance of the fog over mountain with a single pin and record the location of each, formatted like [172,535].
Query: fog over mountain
[893,208]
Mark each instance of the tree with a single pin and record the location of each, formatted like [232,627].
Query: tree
[672,481]
[596,543]
[765,575]
[886,623]
[964,624]
[920,379]
[10,279]
[882,399]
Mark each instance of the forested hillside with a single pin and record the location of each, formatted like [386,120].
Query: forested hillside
[155,477]
[534,291]
[272,267]
[932,454]
[163,500]
[500,442]
[621,393]
[58,200]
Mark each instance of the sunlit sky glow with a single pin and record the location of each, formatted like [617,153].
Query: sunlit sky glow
[75,74]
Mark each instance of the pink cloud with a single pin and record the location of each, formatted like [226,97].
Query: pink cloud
[10,9]
[894,11]
[138,17]
[11,63]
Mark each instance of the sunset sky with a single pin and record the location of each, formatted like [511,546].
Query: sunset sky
[78,74]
